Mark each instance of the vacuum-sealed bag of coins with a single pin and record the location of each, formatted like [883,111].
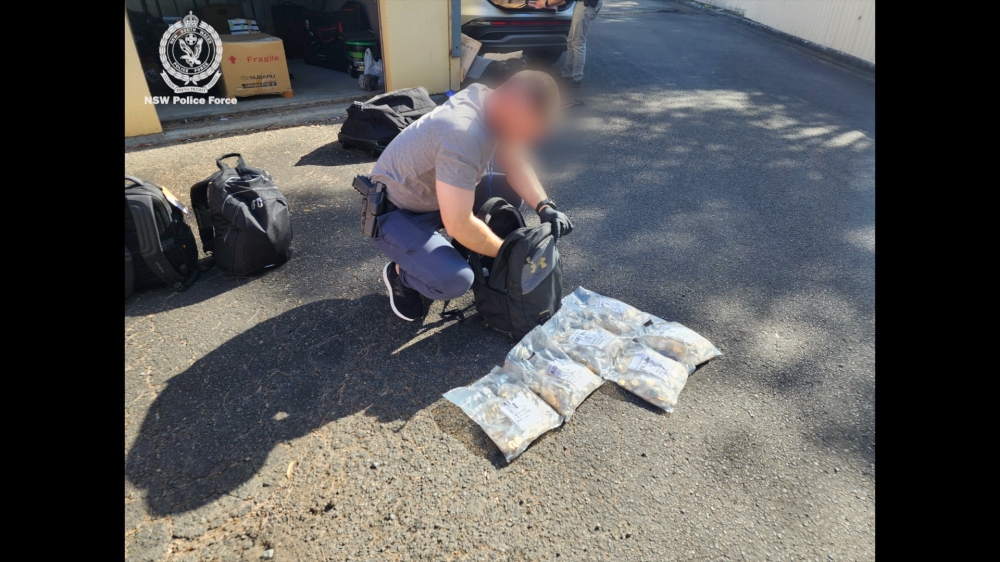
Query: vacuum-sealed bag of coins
[584,340]
[663,337]
[550,373]
[503,405]
[649,375]
[611,314]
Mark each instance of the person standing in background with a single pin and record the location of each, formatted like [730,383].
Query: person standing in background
[584,12]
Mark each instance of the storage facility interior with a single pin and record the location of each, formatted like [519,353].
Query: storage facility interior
[317,50]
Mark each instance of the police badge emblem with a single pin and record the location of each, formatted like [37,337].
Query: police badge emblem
[191,51]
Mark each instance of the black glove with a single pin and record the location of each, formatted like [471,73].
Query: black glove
[560,222]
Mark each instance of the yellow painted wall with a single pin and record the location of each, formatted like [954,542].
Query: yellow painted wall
[845,25]
[416,44]
[140,117]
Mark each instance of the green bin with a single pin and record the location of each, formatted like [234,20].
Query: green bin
[356,43]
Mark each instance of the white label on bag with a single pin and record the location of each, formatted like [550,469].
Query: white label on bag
[591,338]
[648,363]
[523,412]
[614,305]
[572,373]
[677,332]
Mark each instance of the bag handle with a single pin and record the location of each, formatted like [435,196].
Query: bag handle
[239,161]
[490,206]
[133,179]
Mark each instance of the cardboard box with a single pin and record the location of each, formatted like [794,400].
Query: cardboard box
[243,26]
[470,47]
[218,15]
[253,65]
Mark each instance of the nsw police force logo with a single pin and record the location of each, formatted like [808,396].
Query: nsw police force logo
[191,51]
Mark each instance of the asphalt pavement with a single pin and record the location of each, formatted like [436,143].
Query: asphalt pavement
[717,176]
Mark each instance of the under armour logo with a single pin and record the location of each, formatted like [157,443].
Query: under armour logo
[541,263]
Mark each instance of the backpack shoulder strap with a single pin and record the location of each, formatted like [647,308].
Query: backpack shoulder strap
[143,214]
[203,215]
[494,204]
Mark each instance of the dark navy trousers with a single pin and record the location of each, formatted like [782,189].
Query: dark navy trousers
[427,260]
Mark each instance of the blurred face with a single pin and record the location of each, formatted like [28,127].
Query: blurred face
[515,117]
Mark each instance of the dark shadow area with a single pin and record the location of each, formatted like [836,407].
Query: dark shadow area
[213,426]
[333,154]
[209,284]
[611,389]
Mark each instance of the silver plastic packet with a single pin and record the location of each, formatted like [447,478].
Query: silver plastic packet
[584,340]
[550,373]
[611,314]
[669,338]
[662,336]
[649,375]
[503,405]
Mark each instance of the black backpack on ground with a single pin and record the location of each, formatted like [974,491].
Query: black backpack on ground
[242,218]
[161,245]
[522,287]
[372,125]
[325,45]
[290,26]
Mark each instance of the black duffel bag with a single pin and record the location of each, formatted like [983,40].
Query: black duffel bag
[373,124]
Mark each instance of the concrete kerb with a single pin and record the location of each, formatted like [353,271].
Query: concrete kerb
[249,122]
[839,56]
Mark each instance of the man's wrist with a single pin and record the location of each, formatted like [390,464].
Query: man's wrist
[545,203]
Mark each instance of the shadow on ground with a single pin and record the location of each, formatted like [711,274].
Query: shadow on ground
[213,426]
[333,154]
[209,284]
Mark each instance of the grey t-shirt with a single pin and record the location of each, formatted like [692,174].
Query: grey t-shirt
[451,144]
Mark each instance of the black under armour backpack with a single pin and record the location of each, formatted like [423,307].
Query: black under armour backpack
[373,124]
[160,245]
[522,287]
[242,218]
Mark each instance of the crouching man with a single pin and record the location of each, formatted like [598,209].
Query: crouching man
[439,171]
